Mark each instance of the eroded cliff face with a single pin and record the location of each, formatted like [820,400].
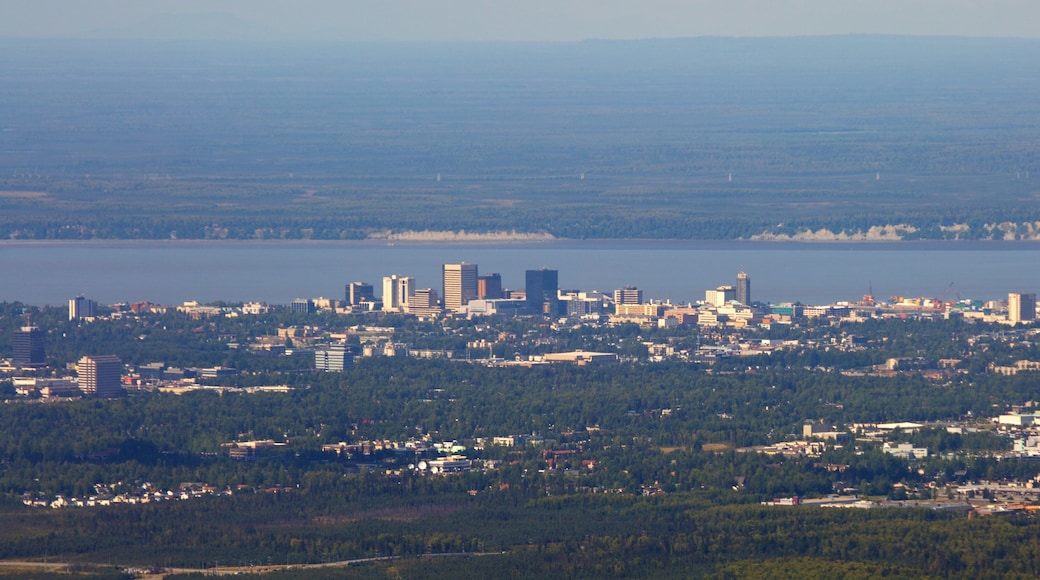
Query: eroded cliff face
[876,233]
[1014,231]
[1009,231]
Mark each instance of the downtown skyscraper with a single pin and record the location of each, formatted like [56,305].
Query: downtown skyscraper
[460,285]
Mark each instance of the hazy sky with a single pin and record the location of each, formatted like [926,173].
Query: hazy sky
[511,20]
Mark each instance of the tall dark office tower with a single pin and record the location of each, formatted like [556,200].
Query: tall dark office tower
[358,292]
[542,289]
[28,347]
[489,287]
[302,306]
[80,307]
[743,288]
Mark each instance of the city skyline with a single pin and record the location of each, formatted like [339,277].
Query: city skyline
[818,274]
[463,283]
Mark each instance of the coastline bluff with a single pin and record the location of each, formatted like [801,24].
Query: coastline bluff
[875,233]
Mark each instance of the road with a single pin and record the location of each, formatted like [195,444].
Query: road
[29,565]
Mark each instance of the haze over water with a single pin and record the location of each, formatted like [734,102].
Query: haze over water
[277,272]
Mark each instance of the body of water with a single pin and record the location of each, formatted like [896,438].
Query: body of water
[276,272]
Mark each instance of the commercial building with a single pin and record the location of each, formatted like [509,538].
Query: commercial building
[47,387]
[489,287]
[628,295]
[743,288]
[100,376]
[424,302]
[397,291]
[336,357]
[499,306]
[581,304]
[581,358]
[542,290]
[1017,419]
[654,310]
[460,285]
[27,344]
[720,296]
[80,308]
[358,292]
[788,309]
[255,308]
[1021,307]
[905,450]
[302,306]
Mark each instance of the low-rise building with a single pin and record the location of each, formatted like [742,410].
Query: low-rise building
[905,450]
[581,357]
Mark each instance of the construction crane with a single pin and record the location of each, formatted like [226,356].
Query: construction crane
[868,298]
[951,289]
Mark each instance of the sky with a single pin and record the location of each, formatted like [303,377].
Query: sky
[510,20]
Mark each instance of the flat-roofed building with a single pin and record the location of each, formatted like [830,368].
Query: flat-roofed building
[255,308]
[542,291]
[27,345]
[80,308]
[500,307]
[489,287]
[100,375]
[336,357]
[581,358]
[424,302]
[1021,307]
[358,292]
[302,306]
[460,285]
[655,310]
[47,387]
[628,295]
[397,290]
[792,310]
[720,295]
[577,305]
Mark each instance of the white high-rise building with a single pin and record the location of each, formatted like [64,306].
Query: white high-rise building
[628,295]
[720,295]
[335,357]
[460,285]
[396,292]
